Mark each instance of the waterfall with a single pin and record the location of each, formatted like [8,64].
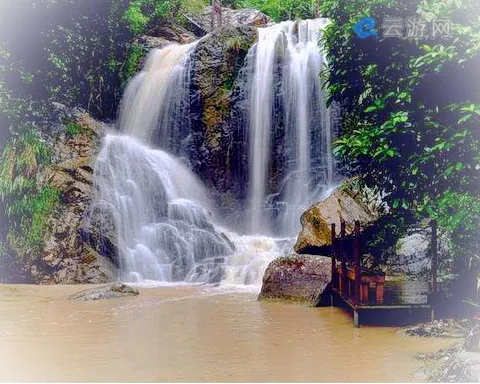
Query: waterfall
[166,225]
[161,211]
[286,67]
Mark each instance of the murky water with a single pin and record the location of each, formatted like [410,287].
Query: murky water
[192,333]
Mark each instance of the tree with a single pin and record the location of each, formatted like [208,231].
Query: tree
[411,110]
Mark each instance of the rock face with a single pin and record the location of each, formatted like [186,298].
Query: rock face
[233,17]
[160,37]
[111,291]
[75,251]
[217,145]
[301,278]
[315,235]
[412,253]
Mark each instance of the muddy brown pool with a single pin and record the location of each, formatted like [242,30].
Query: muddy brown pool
[192,333]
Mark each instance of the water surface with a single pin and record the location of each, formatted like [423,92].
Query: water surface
[192,333]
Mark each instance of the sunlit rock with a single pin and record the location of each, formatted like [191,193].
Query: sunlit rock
[316,234]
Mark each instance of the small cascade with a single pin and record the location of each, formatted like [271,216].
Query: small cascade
[251,257]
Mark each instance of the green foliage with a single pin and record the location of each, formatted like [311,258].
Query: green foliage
[34,210]
[75,129]
[411,110]
[20,161]
[72,55]
[28,203]
[237,43]
[135,54]
[280,10]
[141,13]
[137,20]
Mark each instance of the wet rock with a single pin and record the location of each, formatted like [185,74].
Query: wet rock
[448,328]
[315,236]
[301,278]
[68,256]
[172,33]
[216,146]
[231,17]
[451,365]
[454,364]
[111,291]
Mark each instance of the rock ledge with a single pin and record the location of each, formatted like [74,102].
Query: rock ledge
[111,291]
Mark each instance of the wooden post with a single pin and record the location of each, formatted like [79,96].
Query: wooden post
[345,286]
[356,261]
[334,264]
[356,318]
[434,256]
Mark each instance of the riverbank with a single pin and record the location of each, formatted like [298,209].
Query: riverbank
[459,362]
[193,333]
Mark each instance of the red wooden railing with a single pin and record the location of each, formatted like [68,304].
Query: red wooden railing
[349,278]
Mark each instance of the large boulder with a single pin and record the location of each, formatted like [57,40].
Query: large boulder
[300,278]
[412,252]
[111,291]
[339,206]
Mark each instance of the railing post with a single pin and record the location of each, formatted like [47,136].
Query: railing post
[344,276]
[434,255]
[356,261]
[334,264]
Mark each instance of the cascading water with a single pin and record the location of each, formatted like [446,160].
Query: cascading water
[155,97]
[160,210]
[286,68]
[161,213]
[167,228]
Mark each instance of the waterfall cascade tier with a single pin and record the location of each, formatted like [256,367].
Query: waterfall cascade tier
[167,227]
[161,213]
[155,103]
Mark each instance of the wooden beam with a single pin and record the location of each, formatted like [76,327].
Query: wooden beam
[334,266]
[356,318]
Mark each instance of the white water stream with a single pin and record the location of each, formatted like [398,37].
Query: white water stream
[287,65]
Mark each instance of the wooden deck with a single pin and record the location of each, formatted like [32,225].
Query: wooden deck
[368,292]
